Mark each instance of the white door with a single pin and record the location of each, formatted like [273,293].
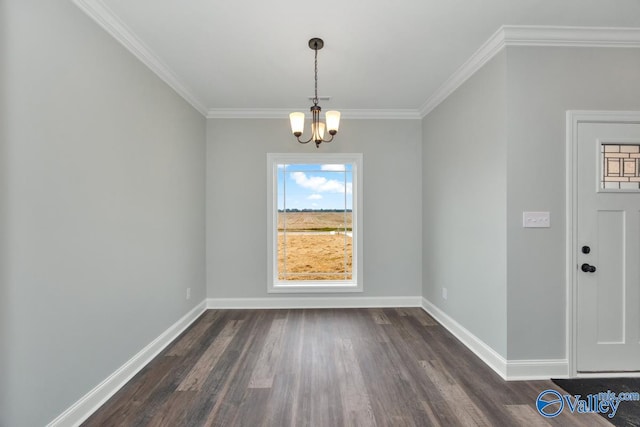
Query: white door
[608,252]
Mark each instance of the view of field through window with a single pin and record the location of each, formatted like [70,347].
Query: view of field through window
[315,217]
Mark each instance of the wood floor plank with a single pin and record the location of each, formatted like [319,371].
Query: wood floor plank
[379,316]
[174,410]
[265,368]
[194,335]
[381,370]
[466,411]
[253,410]
[525,414]
[230,385]
[356,407]
[133,398]
[403,327]
[424,318]
[431,419]
[320,391]
[403,311]
[206,363]
[285,391]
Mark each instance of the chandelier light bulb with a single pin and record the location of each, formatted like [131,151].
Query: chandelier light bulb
[297,123]
[318,131]
[333,121]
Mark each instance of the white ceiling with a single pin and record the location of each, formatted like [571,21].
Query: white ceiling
[378,54]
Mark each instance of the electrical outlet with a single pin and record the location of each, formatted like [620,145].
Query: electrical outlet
[444,293]
[188,293]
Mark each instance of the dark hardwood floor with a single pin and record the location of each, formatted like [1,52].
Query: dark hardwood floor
[330,367]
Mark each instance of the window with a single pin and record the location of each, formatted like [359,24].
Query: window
[314,222]
[620,166]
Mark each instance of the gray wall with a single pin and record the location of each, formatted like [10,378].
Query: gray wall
[543,83]
[103,195]
[4,191]
[464,205]
[505,127]
[237,202]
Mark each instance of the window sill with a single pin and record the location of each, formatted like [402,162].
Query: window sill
[314,288]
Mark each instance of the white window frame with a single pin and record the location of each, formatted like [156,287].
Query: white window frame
[313,286]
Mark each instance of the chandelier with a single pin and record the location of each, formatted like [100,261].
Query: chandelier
[317,127]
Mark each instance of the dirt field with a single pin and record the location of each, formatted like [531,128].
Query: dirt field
[310,221]
[314,253]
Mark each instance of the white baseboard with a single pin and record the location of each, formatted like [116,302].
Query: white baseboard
[89,403]
[313,302]
[488,355]
[530,370]
[510,370]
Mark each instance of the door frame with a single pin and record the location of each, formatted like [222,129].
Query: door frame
[573,119]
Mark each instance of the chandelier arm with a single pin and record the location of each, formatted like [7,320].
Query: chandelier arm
[328,140]
[305,142]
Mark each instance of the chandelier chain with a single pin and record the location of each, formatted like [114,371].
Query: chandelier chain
[315,99]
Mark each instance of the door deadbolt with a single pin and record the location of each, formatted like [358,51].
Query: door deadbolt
[586,249]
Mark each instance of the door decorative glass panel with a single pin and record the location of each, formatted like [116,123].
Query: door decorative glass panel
[620,166]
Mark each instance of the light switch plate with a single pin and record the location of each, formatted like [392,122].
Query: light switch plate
[536,220]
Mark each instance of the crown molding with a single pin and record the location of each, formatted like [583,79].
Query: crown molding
[392,114]
[104,17]
[521,35]
[248,113]
[281,113]
[487,51]
[507,35]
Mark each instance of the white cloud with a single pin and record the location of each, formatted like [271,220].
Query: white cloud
[320,184]
[333,168]
[314,197]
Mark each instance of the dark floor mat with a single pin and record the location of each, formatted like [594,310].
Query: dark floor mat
[628,412]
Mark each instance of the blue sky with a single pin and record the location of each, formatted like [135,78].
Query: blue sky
[315,186]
